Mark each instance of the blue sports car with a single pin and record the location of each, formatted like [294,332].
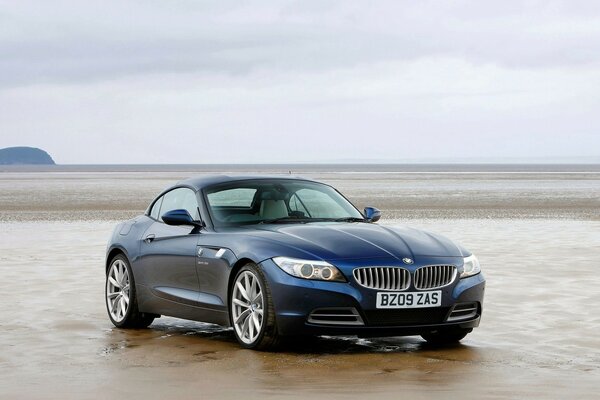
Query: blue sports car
[275,257]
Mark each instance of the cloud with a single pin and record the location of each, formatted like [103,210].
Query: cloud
[191,81]
[80,41]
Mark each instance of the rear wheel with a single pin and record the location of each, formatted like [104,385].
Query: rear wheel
[446,336]
[121,302]
[251,310]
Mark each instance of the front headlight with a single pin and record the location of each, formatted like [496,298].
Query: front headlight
[471,266]
[309,269]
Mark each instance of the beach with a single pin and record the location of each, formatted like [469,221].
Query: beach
[536,231]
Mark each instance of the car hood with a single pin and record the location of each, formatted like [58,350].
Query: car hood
[330,241]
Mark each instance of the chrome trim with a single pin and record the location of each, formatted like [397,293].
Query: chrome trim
[434,276]
[470,309]
[320,316]
[383,278]
[220,253]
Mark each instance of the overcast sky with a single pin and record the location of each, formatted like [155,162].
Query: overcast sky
[193,81]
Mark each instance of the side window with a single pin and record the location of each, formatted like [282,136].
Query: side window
[182,198]
[155,211]
[190,203]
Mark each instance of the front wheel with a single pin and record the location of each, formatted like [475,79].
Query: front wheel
[251,310]
[446,336]
[121,302]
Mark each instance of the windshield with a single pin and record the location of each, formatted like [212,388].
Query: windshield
[277,201]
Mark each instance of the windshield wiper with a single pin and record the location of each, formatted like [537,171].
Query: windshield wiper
[307,220]
[343,219]
[283,219]
[348,219]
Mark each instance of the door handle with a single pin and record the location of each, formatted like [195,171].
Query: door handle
[149,238]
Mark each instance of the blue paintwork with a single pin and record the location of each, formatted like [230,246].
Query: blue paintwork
[372,214]
[294,298]
[178,218]
[177,271]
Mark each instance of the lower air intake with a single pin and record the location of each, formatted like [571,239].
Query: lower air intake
[335,316]
[420,316]
[463,311]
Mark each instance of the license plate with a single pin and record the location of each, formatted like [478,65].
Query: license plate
[409,299]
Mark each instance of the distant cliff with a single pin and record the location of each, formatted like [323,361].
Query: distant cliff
[24,155]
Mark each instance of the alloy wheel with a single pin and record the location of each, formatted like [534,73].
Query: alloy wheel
[247,307]
[117,290]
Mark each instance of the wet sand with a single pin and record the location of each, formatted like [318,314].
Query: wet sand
[538,337]
[402,192]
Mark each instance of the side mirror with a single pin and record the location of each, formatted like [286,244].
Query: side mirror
[372,214]
[179,217]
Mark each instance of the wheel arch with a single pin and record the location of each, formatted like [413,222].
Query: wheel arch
[112,253]
[234,270]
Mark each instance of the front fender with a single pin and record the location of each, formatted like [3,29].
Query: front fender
[259,249]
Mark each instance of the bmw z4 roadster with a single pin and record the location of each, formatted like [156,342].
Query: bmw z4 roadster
[274,257]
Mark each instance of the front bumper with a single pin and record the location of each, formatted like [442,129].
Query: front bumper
[294,300]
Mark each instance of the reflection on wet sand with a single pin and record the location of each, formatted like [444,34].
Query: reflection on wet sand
[538,337]
[302,364]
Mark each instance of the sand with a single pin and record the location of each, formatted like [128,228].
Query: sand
[538,337]
[402,192]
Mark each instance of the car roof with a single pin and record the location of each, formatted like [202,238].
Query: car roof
[201,182]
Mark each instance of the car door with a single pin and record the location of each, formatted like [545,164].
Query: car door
[168,253]
[214,259]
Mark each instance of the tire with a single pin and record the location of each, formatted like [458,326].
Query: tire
[446,336]
[119,290]
[244,312]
